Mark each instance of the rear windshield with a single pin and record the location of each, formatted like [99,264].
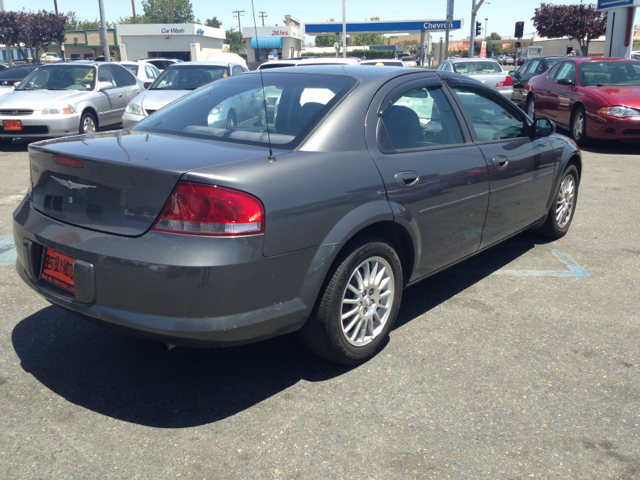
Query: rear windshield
[477,67]
[60,77]
[14,73]
[552,61]
[617,73]
[188,77]
[132,68]
[236,110]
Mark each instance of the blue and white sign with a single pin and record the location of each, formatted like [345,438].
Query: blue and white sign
[608,4]
[382,27]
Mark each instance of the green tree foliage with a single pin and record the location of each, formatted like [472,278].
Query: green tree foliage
[213,22]
[33,30]
[157,11]
[235,40]
[373,39]
[495,36]
[328,40]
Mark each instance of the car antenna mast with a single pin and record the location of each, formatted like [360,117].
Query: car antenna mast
[264,95]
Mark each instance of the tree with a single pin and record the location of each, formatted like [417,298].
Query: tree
[213,22]
[31,30]
[495,36]
[373,39]
[328,40]
[580,22]
[235,40]
[157,11]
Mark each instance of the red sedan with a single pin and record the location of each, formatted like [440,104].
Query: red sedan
[592,97]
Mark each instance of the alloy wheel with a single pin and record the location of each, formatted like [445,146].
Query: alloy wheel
[531,108]
[578,125]
[89,125]
[564,204]
[367,301]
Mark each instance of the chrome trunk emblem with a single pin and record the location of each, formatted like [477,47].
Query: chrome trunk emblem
[72,185]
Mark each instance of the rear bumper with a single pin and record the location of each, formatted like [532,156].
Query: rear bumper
[183,290]
[37,125]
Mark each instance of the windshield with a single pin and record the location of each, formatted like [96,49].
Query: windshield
[62,77]
[236,110]
[188,77]
[605,74]
[476,67]
[132,68]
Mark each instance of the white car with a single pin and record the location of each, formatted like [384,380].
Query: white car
[176,81]
[306,62]
[227,57]
[145,71]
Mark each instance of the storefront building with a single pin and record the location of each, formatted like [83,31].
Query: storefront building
[84,44]
[188,42]
[281,41]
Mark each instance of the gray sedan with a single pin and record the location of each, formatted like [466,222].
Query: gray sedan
[484,70]
[363,181]
[67,99]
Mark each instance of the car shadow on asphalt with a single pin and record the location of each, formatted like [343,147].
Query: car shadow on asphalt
[139,381]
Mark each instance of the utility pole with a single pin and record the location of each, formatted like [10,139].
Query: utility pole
[344,28]
[103,33]
[447,26]
[133,5]
[474,12]
[263,15]
[171,11]
[239,13]
[7,47]
[440,54]
[55,2]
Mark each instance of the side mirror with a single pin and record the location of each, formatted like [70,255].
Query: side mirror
[566,81]
[15,84]
[147,85]
[511,73]
[104,86]
[544,127]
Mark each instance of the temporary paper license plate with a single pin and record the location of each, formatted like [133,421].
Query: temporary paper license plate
[58,270]
[12,124]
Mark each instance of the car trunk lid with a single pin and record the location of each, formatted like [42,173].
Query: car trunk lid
[125,177]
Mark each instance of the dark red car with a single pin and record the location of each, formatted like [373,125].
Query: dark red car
[592,97]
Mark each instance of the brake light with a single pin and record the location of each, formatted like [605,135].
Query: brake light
[508,82]
[69,162]
[198,209]
[527,87]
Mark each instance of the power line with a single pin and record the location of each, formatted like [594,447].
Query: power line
[263,15]
[238,13]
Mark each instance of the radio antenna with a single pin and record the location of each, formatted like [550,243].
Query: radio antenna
[264,95]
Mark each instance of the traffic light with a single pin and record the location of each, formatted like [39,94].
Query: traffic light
[518,44]
[519,30]
[478,28]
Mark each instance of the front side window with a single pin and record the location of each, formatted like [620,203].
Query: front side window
[523,69]
[234,110]
[189,77]
[63,77]
[535,67]
[491,120]
[567,72]
[477,67]
[104,75]
[421,118]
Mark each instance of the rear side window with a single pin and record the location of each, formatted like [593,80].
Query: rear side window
[237,70]
[491,120]
[124,78]
[240,110]
[421,118]
[149,72]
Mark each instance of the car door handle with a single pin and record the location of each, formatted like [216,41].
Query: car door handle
[501,162]
[120,95]
[407,179]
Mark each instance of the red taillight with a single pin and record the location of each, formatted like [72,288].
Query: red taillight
[198,209]
[527,87]
[508,82]
[69,162]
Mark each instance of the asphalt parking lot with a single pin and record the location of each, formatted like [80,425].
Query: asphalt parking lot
[523,362]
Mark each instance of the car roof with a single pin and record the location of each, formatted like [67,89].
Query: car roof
[364,73]
[201,64]
[458,60]
[375,60]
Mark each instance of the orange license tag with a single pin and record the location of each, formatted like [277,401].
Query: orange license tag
[12,124]
[58,270]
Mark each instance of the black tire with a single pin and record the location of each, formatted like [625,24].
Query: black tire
[232,120]
[83,123]
[578,126]
[531,104]
[551,227]
[323,333]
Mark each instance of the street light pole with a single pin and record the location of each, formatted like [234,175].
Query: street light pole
[103,33]
[133,5]
[447,27]
[55,3]
[344,28]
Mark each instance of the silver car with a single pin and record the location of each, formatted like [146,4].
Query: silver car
[485,70]
[67,99]
[176,81]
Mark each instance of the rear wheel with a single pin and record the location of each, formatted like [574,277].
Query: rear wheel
[579,126]
[563,207]
[88,123]
[531,108]
[359,304]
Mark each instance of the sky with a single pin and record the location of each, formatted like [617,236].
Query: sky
[502,14]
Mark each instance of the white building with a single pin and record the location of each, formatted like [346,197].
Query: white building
[262,42]
[188,42]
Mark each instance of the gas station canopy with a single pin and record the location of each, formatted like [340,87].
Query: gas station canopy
[399,26]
